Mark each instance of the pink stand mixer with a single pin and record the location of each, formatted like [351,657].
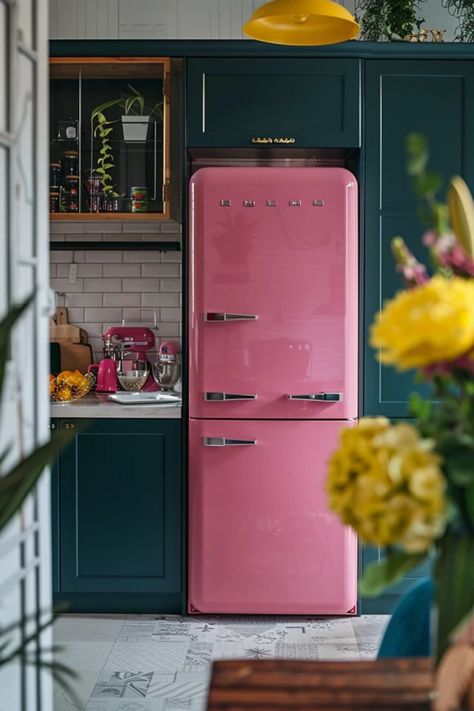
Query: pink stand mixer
[125,360]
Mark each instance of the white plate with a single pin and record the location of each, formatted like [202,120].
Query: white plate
[140,398]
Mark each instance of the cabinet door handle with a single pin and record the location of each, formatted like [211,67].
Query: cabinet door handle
[225,442]
[69,426]
[52,426]
[222,316]
[223,397]
[318,397]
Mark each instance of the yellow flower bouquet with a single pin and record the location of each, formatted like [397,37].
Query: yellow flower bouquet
[409,488]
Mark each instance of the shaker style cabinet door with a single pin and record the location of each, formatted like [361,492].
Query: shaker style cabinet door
[274,102]
[119,516]
[435,99]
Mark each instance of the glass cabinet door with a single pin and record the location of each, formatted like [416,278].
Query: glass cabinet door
[109,138]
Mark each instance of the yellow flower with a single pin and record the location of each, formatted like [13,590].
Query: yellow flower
[386,482]
[426,325]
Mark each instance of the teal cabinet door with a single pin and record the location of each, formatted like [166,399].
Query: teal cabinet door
[119,503]
[402,96]
[274,102]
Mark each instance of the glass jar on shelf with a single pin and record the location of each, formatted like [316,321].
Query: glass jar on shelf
[54,200]
[71,190]
[55,174]
[71,163]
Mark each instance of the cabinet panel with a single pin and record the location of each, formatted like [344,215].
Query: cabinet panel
[312,102]
[435,99]
[119,491]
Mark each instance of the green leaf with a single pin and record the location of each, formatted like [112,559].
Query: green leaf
[454,577]
[458,453]
[469,501]
[6,326]
[428,184]
[418,155]
[380,575]
[17,483]
[101,171]
[106,132]
[106,166]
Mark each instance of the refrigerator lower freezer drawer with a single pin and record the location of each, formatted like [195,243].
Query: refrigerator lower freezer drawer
[261,538]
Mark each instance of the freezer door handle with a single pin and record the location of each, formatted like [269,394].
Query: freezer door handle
[224,397]
[222,316]
[225,442]
[318,397]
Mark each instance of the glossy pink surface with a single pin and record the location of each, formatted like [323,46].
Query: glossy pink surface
[295,267]
[261,537]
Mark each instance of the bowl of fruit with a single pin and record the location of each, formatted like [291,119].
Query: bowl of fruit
[70,385]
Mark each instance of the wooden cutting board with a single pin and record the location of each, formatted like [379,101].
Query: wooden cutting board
[75,356]
[61,331]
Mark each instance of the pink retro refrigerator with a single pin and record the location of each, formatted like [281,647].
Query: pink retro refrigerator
[273,378]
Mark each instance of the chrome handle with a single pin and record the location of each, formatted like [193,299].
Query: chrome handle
[221,316]
[69,426]
[318,397]
[222,397]
[224,442]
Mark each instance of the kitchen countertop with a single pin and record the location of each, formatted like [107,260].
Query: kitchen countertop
[95,405]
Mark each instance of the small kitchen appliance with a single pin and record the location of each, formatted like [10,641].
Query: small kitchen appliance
[166,370]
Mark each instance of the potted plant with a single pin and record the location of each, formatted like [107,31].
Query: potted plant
[102,127]
[136,116]
[388,19]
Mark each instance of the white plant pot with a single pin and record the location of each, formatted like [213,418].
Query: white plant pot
[135,128]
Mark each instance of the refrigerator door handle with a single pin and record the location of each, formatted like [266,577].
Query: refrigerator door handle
[318,397]
[222,316]
[223,397]
[225,442]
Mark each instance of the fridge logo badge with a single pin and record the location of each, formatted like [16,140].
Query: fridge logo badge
[272,203]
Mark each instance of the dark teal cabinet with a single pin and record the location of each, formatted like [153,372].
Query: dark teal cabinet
[274,102]
[118,511]
[435,98]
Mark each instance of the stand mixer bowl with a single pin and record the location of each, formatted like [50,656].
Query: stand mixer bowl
[166,371]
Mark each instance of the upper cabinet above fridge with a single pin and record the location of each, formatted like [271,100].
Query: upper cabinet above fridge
[305,103]
[109,138]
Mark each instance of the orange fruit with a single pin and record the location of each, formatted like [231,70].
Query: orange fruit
[64,376]
[51,378]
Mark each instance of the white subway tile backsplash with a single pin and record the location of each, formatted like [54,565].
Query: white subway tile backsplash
[170,285]
[172,257]
[111,286]
[103,285]
[173,227]
[101,315]
[53,237]
[94,237]
[57,227]
[158,269]
[83,270]
[60,257]
[157,299]
[141,284]
[101,227]
[135,256]
[74,300]
[169,330]
[93,330]
[122,299]
[122,270]
[64,285]
[170,314]
[143,227]
[103,257]
[76,315]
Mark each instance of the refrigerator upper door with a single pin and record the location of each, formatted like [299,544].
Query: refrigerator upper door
[273,293]
[261,539]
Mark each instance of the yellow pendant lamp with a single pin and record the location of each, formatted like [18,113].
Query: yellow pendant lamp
[301,22]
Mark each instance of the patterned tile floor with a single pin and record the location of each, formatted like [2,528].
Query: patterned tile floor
[162,662]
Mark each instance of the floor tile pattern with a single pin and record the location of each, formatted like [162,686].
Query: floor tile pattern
[162,662]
